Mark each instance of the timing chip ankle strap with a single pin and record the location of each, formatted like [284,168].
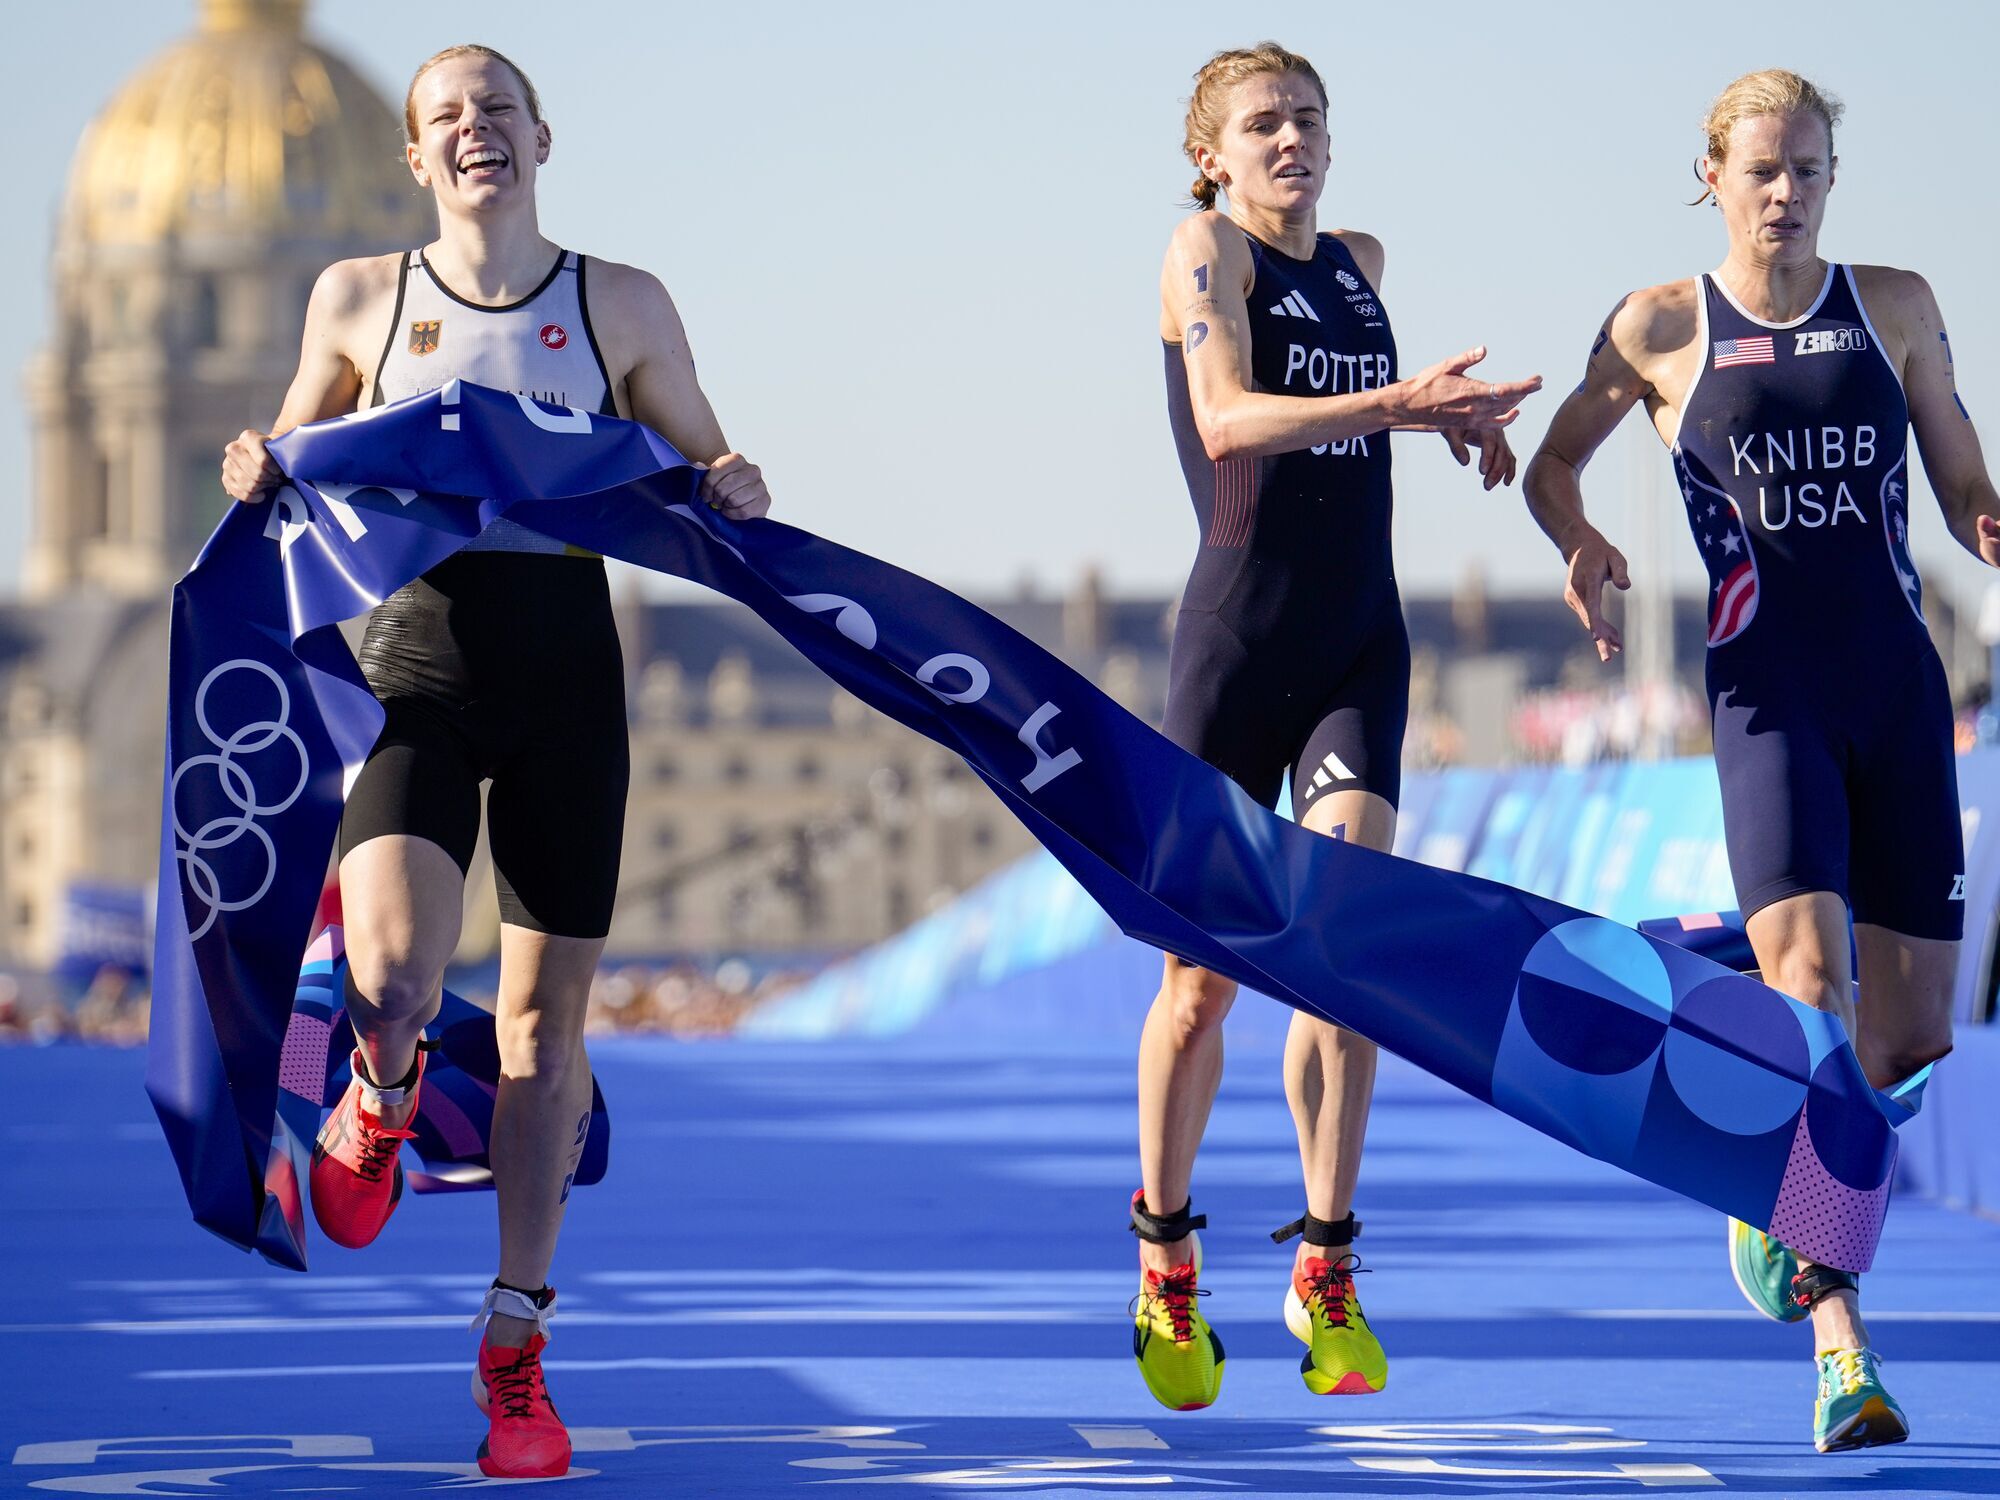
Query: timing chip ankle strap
[1165,1229]
[1327,1235]
[1814,1283]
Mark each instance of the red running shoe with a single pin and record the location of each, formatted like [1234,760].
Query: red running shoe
[356,1179]
[525,1439]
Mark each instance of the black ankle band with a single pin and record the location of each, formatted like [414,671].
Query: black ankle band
[1815,1283]
[1165,1229]
[1328,1236]
[409,1079]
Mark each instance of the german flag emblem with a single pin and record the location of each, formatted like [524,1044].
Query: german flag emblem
[424,336]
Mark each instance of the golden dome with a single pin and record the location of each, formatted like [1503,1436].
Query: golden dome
[245,129]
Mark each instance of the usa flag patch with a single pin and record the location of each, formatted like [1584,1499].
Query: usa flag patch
[1750,351]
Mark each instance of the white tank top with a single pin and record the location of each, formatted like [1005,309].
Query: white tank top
[541,346]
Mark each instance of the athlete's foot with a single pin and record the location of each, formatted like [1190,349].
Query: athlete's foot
[1852,1410]
[357,1180]
[1179,1356]
[525,1439]
[1343,1356]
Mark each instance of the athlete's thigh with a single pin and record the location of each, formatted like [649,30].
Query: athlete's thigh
[1229,704]
[1908,860]
[402,903]
[1784,798]
[407,834]
[1356,816]
[555,818]
[1355,742]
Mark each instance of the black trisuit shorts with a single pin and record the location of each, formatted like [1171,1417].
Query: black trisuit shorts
[503,667]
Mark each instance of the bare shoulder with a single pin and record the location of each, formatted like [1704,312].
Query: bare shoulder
[348,288]
[1656,320]
[1209,235]
[627,292]
[1366,250]
[1890,293]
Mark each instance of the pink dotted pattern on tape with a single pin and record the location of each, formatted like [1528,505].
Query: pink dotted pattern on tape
[302,1065]
[1821,1217]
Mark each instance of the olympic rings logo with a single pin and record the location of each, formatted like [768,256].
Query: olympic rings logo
[239,789]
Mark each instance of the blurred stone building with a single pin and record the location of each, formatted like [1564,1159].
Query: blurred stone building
[203,201]
[769,811]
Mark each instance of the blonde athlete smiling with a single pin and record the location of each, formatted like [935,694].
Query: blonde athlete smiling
[501,664]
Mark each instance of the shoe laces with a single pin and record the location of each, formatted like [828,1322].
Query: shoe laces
[1852,1368]
[517,1386]
[1175,1292]
[1332,1287]
[376,1146]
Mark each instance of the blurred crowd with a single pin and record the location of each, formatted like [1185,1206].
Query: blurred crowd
[1572,727]
[673,999]
[113,1008]
[680,999]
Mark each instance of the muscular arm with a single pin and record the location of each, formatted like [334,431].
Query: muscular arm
[651,365]
[1204,307]
[1946,438]
[1613,383]
[329,379]
[645,348]
[1611,386]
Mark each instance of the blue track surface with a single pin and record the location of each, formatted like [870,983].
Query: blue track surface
[800,1249]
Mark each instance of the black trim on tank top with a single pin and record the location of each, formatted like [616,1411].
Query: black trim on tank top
[395,322]
[562,259]
[610,406]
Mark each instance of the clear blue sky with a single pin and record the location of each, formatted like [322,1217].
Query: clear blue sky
[917,246]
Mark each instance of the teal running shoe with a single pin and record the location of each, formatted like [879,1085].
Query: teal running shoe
[1764,1269]
[1853,1411]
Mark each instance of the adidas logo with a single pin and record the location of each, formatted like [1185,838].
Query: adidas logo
[1332,769]
[1294,306]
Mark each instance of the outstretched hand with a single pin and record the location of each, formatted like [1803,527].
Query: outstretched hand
[1593,563]
[1496,456]
[1445,396]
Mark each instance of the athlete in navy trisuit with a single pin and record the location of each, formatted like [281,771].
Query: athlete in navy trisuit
[1785,387]
[1289,652]
[501,664]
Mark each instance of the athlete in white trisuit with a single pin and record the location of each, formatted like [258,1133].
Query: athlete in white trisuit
[1786,388]
[499,665]
[1289,654]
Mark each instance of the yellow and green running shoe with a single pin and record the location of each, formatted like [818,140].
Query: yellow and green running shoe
[1343,1356]
[1178,1353]
[1764,1270]
[1852,1409]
